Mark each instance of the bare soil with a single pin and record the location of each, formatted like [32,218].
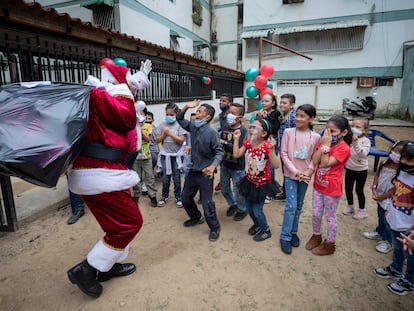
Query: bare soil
[179,269]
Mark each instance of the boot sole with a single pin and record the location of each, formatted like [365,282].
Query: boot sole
[107,278]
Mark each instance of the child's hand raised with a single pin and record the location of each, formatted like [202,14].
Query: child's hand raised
[272,142]
[236,134]
[194,103]
[327,137]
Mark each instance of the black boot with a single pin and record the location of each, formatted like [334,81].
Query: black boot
[119,269]
[84,275]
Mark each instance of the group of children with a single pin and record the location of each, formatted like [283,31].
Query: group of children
[286,139]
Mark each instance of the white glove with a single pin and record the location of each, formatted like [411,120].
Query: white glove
[146,67]
[93,81]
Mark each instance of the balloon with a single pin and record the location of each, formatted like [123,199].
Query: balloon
[252,92]
[265,91]
[208,81]
[252,118]
[260,82]
[251,73]
[267,70]
[120,62]
[259,105]
[269,85]
[203,79]
[105,61]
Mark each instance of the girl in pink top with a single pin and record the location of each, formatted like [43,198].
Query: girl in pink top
[298,147]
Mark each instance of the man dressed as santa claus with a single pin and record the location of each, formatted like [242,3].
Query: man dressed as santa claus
[102,177]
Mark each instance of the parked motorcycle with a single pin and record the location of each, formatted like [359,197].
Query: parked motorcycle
[363,107]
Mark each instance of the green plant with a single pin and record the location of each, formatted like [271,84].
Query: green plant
[197,12]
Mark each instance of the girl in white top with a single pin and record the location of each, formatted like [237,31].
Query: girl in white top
[357,168]
[298,146]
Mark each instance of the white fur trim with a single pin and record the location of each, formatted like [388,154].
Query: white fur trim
[119,90]
[98,180]
[103,258]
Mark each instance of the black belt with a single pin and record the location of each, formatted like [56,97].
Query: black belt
[102,152]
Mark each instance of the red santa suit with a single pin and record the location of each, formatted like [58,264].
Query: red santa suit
[101,175]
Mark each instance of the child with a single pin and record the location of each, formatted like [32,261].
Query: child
[225,101]
[298,147]
[357,168]
[330,158]
[272,115]
[287,120]
[171,135]
[143,165]
[233,168]
[153,146]
[258,183]
[401,220]
[382,188]
[206,154]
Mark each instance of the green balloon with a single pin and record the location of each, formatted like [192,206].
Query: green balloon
[120,62]
[252,91]
[252,118]
[259,105]
[270,85]
[252,73]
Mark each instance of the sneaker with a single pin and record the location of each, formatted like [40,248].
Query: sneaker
[360,215]
[154,202]
[253,230]
[75,217]
[286,246]
[193,222]
[348,210]
[383,247]
[162,202]
[144,189]
[214,235]
[262,235]
[372,235]
[239,216]
[280,197]
[178,203]
[402,287]
[217,188]
[387,273]
[295,242]
[268,199]
[231,210]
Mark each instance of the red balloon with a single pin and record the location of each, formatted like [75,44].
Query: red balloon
[265,91]
[208,81]
[267,70]
[260,82]
[105,61]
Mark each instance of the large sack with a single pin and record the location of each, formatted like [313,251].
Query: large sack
[42,129]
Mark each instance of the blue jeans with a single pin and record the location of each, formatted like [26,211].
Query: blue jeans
[255,211]
[398,257]
[194,182]
[76,202]
[295,195]
[383,227]
[232,196]
[167,178]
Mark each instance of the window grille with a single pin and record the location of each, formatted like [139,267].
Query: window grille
[103,15]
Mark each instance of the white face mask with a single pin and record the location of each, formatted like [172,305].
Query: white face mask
[356,131]
[231,119]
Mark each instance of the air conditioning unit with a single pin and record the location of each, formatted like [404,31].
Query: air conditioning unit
[365,82]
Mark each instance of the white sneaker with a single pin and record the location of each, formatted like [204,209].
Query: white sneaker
[144,188]
[383,247]
[268,199]
[372,235]
[360,215]
[162,202]
[348,210]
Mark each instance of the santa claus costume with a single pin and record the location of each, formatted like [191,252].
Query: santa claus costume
[102,177]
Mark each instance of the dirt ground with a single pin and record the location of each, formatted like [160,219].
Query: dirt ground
[179,269]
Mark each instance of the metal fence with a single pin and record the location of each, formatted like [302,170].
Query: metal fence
[31,54]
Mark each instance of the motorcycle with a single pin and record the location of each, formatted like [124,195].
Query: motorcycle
[363,107]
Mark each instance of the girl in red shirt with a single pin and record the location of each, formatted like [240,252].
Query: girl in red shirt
[330,159]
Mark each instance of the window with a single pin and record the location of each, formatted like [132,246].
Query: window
[292,1]
[384,81]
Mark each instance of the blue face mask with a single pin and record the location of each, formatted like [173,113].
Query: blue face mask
[170,119]
[335,140]
[224,108]
[200,123]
